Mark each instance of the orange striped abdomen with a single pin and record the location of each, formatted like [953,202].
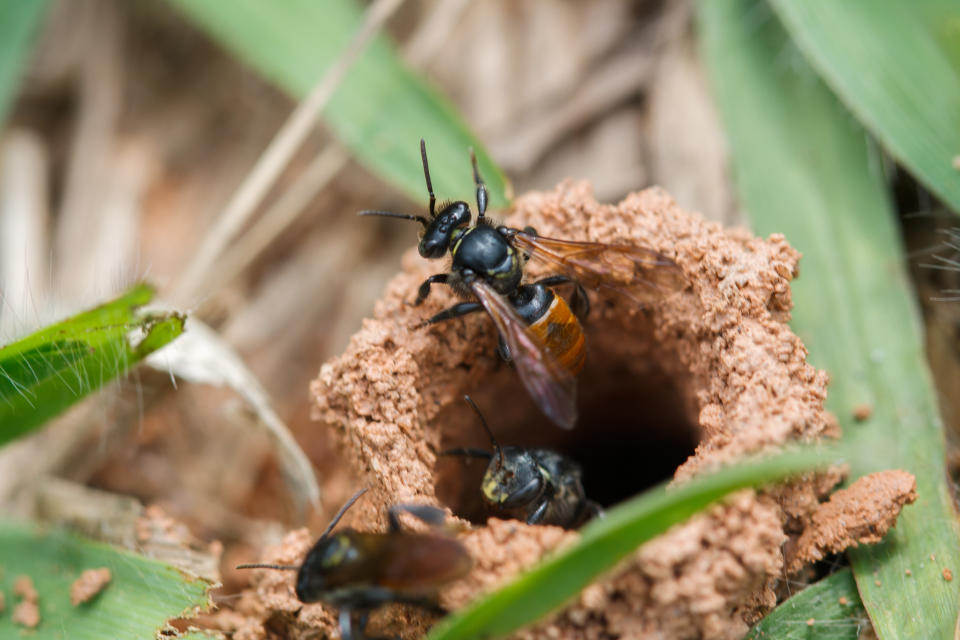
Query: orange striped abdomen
[561,333]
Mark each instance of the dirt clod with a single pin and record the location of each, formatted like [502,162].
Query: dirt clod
[23,588]
[89,584]
[859,514]
[26,614]
[862,412]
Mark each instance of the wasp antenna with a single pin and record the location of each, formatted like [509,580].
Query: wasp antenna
[486,427]
[481,188]
[257,565]
[340,513]
[467,452]
[426,175]
[392,214]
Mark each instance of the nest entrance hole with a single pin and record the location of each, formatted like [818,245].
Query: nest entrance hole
[637,425]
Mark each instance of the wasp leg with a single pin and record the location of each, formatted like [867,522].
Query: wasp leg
[537,516]
[595,510]
[588,511]
[504,352]
[346,623]
[424,290]
[579,302]
[424,512]
[456,311]
[372,597]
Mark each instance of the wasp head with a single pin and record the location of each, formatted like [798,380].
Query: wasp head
[513,483]
[325,566]
[437,235]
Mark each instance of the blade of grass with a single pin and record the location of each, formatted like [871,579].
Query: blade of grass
[805,168]
[381,109]
[605,542]
[896,65]
[827,610]
[18,23]
[142,595]
[46,372]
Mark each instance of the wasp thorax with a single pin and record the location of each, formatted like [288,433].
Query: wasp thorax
[436,238]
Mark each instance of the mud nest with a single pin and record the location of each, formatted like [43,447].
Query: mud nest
[668,391]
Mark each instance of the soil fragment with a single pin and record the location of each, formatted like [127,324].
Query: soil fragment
[23,588]
[27,614]
[89,584]
[862,412]
[859,514]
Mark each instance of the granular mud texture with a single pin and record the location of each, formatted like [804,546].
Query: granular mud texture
[669,391]
[860,514]
[89,584]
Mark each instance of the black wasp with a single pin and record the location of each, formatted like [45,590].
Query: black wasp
[359,571]
[538,486]
[539,331]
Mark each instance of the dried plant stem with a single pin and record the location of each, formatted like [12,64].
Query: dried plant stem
[273,160]
[421,46]
[278,217]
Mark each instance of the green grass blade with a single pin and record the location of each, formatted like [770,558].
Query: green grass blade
[141,597]
[18,23]
[828,610]
[380,111]
[46,372]
[605,542]
[805,168]
[896,65]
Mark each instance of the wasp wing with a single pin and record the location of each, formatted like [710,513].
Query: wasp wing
[638,273]
[552,387]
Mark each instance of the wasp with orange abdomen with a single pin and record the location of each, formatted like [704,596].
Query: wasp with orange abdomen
[540,332]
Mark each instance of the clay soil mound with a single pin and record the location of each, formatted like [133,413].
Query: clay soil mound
[671,390]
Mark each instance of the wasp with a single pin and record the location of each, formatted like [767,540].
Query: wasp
[359,571]
[539,486]
[539,331]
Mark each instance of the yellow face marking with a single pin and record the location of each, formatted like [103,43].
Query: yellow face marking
[458,235]
[339,552]
[491,489]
